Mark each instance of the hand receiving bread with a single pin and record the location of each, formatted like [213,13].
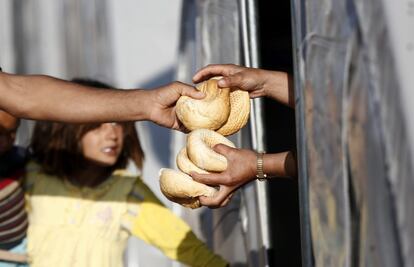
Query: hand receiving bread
[222,112]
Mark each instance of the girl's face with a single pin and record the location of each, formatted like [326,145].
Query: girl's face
[103,145]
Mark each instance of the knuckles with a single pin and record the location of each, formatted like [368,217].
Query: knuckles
[177,84]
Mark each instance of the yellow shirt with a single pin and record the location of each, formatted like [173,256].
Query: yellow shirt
[72,226]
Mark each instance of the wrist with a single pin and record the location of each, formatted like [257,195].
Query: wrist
[141,108]
[252,159]
[270,82]
[277,86]
[261,175]
[270,165]
[282,164]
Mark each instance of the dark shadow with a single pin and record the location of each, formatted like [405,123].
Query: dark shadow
[276,54]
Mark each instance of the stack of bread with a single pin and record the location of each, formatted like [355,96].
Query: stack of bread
[221,113]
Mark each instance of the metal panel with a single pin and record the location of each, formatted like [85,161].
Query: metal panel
[355,158]
[250,28]
[210,34]
[235,230]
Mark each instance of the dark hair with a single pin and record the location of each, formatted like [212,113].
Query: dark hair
[57,147]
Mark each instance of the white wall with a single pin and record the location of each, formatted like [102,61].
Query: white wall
[145,42]
[144,38]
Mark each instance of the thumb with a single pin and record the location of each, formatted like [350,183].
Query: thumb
[222,149]
[187,90]
[194,93]
[207,179]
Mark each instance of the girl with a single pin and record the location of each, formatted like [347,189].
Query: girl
[13,217]
[83,206]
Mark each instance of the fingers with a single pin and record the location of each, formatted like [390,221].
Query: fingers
[221,199]
[235,80]
[227,200]
[181,127]
[214,70]
[210,179]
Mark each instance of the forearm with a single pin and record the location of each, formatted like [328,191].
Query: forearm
[280,164]
[279,86]
[46,98]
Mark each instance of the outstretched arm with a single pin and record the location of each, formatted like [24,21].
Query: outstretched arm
[274,84]
[241,169]
[47,98]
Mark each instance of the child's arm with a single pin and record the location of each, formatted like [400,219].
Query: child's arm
[274,84]
[158,226]
[46,98]
[6,255]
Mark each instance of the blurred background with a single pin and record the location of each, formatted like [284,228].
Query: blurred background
[128,44]
[352,127]
[146,44]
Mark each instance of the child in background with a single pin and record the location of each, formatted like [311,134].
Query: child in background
[13,217]
[83,206]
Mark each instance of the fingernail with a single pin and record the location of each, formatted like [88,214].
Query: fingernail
[221,82]
[201,94]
